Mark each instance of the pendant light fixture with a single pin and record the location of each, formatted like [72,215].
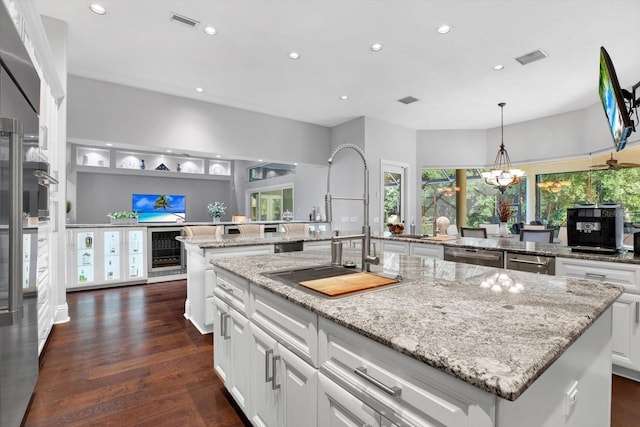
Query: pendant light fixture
[502,175]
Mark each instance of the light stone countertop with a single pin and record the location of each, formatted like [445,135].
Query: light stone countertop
[444,315]
[232,240]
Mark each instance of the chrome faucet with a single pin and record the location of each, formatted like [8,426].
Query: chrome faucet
[367,258]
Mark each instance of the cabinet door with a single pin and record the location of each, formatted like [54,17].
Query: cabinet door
[112,242]
[135,255]
[240,343]
[84,264]
[221,344]
[625,341]
[339,408]
[266,393]
[395,247]
[299,383]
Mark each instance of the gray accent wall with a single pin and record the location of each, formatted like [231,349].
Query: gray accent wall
[98,194]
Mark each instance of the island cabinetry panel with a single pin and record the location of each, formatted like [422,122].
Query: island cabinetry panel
[337,407]
[284,386]
[626,310]
[395,385]
[106,257]
[389,246]
[316,244]
[426,250]
[231,352]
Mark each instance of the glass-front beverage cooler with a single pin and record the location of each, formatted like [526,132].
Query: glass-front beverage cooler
[107,257]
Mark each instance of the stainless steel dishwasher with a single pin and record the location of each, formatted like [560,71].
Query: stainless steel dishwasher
[531,263]
[475,256]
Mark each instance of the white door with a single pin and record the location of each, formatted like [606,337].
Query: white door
[266,394]
[299,382]
[625,341]
[339,408]
[221,344]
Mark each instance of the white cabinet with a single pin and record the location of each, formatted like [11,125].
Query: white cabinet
[625,341]
[426,250]
[626,332]
[231,352]
[392,246]
[284,386]
[339,408]
[106,256]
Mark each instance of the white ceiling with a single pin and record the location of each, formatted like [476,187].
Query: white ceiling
[246,64]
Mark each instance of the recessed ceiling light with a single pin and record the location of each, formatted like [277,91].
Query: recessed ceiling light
[169,151]
[218,156]
[199,90]
[376,47]
[294,55]
[443,29]
[97,9]
[344,97]
[295,164]
[109,144]
[210,30]
[499,67]
[259,160]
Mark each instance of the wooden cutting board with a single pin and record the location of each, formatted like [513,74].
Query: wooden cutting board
[347,283]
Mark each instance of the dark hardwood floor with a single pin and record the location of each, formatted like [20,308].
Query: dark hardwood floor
[129,357]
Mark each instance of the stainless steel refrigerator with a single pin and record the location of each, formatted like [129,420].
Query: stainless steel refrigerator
[19,104]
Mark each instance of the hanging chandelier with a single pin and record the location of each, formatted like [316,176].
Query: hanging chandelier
[554,186]
[502,175]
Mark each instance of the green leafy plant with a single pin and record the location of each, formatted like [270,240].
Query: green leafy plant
[216,209]
[123,215]
[69,206]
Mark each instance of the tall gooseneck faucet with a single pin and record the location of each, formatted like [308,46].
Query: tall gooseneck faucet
[367,259]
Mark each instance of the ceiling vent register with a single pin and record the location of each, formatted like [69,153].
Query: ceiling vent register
[184,20]
[408,100]
[530,57]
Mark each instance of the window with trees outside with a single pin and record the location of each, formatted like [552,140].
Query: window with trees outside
[440,184]
[269,205]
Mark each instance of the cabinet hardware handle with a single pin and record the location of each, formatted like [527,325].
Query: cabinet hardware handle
[223,325]
[637,312]
[596,275]
[267,354]
[392,391]
[274,360]
[526,261]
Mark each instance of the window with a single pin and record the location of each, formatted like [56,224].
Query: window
[270,170]
[269,205]
[618,186]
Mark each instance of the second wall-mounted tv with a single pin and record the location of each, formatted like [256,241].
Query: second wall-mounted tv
[159,207]
[615,109]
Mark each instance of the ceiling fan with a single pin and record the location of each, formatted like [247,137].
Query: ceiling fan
[613,164]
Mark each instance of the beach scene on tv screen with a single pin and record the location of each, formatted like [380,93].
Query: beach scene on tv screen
[159,207]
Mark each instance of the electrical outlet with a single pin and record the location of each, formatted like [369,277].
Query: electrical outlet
[354,219]
[344,219]
[376,220]
[570,398]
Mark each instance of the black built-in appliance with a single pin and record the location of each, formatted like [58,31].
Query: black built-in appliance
[595,229]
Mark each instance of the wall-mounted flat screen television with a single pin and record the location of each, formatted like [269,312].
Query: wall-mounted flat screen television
[615,109]
[159,207]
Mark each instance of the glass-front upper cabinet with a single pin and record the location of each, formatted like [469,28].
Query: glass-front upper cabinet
[85,259]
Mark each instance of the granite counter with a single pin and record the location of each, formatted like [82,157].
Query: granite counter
[498,330]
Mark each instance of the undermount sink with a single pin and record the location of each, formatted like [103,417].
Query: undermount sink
[348,281]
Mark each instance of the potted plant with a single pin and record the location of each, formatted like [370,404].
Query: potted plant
[504,214]
[216,210]
[124,217]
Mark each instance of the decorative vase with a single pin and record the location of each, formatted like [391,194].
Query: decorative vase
[216,219]
[503,231]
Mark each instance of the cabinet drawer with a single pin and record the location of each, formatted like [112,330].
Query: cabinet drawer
[620,274]
[426,250]
[395,247]
[290,324]
[231,289]
[403,389]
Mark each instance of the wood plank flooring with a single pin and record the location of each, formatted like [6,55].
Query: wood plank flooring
[129,358]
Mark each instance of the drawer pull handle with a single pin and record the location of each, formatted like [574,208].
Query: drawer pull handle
[274,360]
[596,275]
[637,312]
[526,261]
[392,391]
[223,326]
[267,354]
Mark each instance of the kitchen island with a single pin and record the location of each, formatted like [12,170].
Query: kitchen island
[453,344]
